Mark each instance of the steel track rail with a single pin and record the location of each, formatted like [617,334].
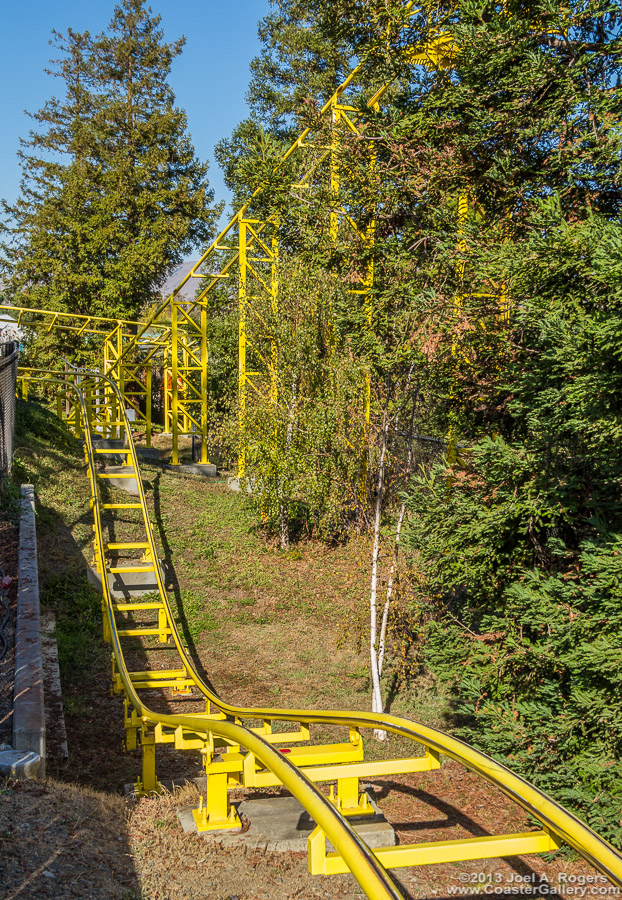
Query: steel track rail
[368,871]
[362,863]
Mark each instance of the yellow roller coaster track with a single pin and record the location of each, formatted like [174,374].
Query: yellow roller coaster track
[238,754]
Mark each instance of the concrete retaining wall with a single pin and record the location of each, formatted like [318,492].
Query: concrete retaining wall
[29,707]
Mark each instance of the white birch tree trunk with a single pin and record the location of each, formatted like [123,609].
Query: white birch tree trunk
[393,573]
[376,702]
[387,603]
[283,510]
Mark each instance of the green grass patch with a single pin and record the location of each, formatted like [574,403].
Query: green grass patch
[78,624]
[197,616]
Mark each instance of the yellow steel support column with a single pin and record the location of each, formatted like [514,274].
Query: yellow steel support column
[149,781]
[368,285]
[204,361]
[148,399]
[348,793]
[120,379]
[243,301]
[217,812]
[110,368]
[185,365]
[334,173]
[109,396]
[175,383]
[349,800]
[274,290]
[167,386]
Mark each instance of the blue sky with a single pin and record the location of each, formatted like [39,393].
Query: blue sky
[209,79]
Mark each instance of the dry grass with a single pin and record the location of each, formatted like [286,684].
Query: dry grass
[62,841]
[443,805]
[176,866]
[65,842]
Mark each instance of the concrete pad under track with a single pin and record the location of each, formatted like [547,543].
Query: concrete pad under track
[281,825]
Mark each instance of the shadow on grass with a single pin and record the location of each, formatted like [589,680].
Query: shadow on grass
[451,817]
[76,843]
[172,583]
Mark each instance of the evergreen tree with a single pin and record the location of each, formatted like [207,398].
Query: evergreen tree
[48,227]
[515,541]
[113,195]
[300,64]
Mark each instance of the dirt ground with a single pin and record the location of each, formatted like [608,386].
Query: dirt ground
[61,841]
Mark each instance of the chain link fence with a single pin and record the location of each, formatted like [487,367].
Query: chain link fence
[9,353]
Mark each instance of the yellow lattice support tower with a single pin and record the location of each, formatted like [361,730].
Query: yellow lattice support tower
[258,255]
[133,374]
[113,347]
[128,359]
[187,408]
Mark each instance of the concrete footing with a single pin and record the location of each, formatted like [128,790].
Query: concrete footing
[204,470]
[129,485]
[151,454]
[233,483]
[126,585]
[281,824]
[28,702]
[19,764]
[111,444]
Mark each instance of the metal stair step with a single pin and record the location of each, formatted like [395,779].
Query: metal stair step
[130,607]
[128,546]
[121,506]
[143,632]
